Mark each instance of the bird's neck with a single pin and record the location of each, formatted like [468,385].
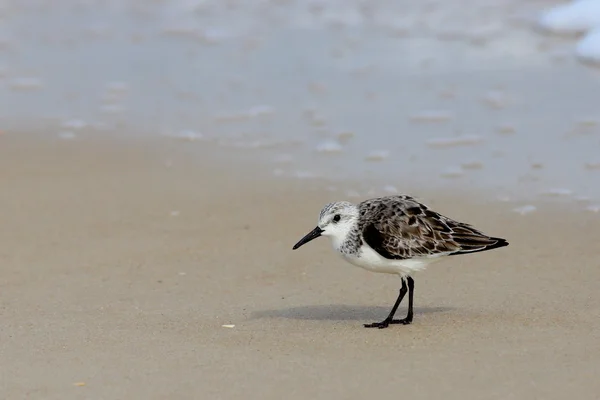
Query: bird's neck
[347,245]
[337,242]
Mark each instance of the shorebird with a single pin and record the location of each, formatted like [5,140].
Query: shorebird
[396,235]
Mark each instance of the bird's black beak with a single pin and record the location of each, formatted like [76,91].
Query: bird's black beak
[315,233]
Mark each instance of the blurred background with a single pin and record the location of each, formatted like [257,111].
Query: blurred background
[498,95]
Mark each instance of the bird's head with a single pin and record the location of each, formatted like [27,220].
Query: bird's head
[335,220]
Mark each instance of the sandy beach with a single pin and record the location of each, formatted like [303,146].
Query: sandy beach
[159,159]
[122,259]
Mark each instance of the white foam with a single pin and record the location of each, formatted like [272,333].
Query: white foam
[74,124]
[188,134]
[575,17]
[329,147]
[452,172]
[588,48]
[496,99]
[213,35]
[283,158]
[593,208]
[67,135]
[558,192]
[252,112]
[112,109]
[304,174]
[102,126]
[525,209]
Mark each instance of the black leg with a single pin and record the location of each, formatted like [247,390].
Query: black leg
[409,316]
[390,318]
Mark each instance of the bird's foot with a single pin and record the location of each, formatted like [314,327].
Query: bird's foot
[388,322]
[380,325]
[404,321]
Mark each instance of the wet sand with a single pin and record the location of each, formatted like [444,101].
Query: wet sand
[463,93]
[122,259]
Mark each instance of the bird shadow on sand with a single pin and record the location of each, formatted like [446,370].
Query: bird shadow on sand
[340,312]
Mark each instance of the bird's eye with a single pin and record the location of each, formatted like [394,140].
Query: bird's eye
[336,218]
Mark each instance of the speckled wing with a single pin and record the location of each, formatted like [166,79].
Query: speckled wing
[399,227]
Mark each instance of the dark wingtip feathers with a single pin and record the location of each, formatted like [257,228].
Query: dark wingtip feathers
[494,243]
[500,242]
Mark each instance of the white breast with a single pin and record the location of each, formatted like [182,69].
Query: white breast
[370,260]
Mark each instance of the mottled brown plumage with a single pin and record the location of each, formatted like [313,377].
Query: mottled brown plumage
[399,227]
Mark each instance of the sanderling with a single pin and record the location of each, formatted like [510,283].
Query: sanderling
[396,235]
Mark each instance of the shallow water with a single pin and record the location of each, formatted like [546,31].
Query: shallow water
[460,94]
